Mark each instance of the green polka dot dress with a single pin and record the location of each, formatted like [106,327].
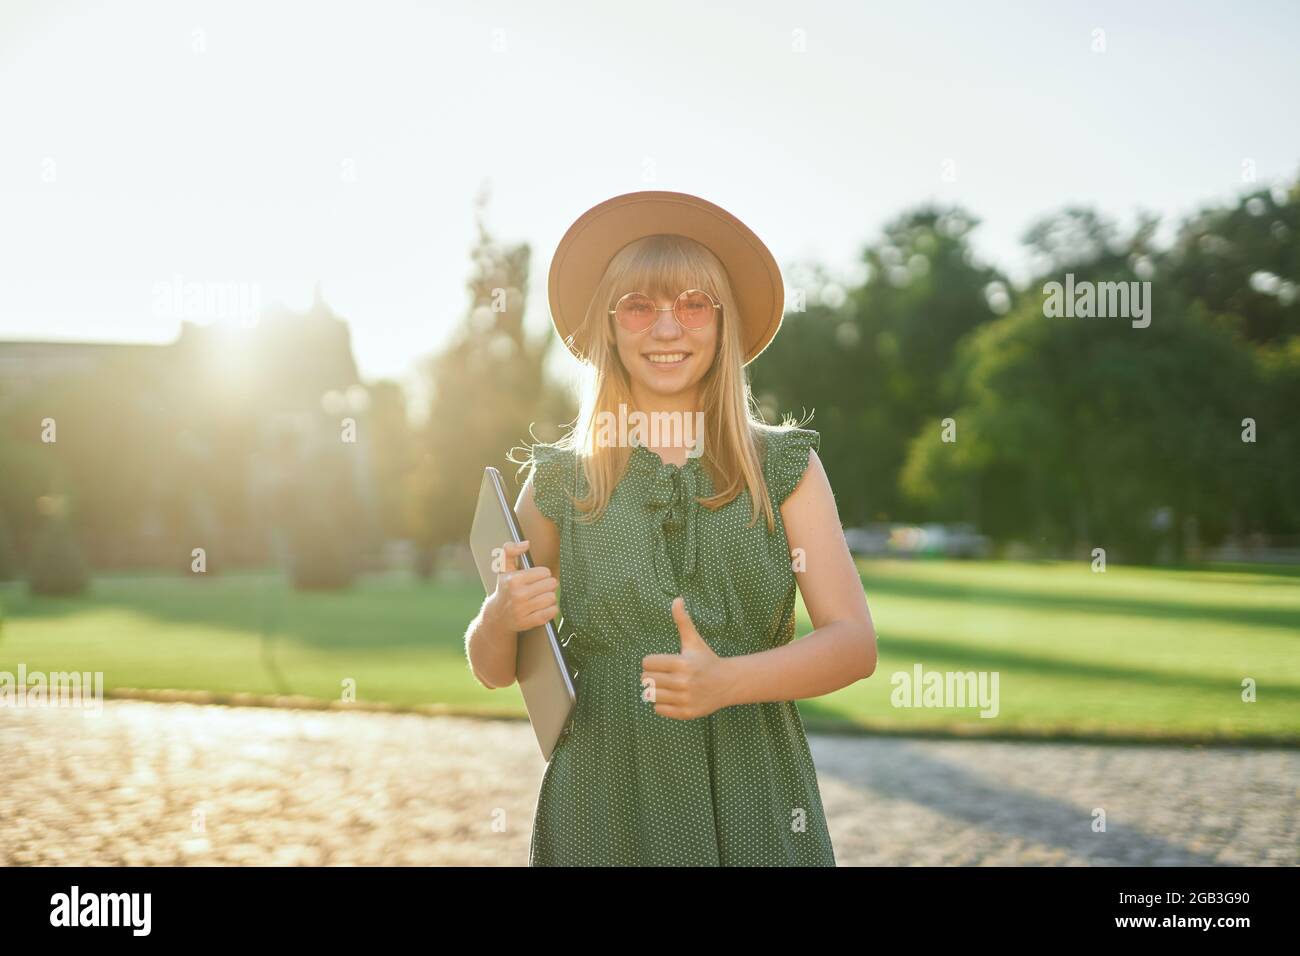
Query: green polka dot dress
[629,787]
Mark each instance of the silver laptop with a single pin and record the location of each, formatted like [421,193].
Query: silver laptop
[544,677]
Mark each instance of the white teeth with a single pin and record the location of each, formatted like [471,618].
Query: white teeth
[667,358]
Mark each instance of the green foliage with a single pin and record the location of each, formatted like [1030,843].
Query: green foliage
[1274,474]
[1241,264]
[880,356]
[1070,433]
[1076,433]
[488,387]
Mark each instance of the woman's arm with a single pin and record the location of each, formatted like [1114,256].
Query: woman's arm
[842,647]
[522,599]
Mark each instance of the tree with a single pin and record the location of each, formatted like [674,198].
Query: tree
[1241,264]
[488,387]
[881,350]
[1087,432]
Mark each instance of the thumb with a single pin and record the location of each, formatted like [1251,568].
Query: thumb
[685,626]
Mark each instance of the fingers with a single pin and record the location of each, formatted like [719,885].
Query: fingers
[664,697]
[665,663]
[512,550]
[542,602]
[664,680]
[528,595]
[538,618]
[526,585]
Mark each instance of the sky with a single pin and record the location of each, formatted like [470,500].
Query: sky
[260,148]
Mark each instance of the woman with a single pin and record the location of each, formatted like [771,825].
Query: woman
[676,557]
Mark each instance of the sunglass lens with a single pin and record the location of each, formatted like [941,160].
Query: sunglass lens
[695,310]
[635,313]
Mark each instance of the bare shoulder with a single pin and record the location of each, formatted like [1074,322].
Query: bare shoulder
[537,528]
[526,509]
[814,483]
[811,508]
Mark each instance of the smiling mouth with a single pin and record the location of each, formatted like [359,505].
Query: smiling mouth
[666,359]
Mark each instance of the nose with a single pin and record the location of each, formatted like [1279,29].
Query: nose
[665,326]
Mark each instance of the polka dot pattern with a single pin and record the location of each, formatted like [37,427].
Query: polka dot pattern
[629,787]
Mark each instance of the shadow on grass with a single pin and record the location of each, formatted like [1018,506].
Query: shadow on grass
[985,595]
[976,657]
[379,611]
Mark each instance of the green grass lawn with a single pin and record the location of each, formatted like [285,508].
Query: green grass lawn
[1133,651]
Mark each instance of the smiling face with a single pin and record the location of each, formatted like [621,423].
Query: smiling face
[667,361]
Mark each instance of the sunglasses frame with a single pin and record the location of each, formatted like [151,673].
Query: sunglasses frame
[673,309]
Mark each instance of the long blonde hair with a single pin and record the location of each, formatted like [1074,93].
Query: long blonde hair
[664,265]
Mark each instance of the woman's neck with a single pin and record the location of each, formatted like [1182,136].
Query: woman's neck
[685,402]
[672,444]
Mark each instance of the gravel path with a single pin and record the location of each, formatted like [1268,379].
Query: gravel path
[148,783]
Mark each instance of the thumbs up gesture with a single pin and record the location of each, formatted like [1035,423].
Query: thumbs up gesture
[691,684]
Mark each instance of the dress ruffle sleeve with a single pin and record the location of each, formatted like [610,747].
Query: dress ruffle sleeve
[552,475]
[787,459]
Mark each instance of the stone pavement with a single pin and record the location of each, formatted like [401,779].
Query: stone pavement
[150,783]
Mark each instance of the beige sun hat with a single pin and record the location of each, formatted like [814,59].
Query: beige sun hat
[600,232]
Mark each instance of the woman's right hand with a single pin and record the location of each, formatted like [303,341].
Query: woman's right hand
[524,599]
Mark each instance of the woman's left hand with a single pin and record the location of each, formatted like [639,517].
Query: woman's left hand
[691,684]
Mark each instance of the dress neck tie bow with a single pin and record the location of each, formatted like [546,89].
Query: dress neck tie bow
[673,493]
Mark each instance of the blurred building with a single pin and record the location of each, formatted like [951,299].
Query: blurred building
[235,423]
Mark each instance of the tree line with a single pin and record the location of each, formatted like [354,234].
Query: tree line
[943,391]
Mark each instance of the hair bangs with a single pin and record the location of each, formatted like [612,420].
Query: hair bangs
[663,266]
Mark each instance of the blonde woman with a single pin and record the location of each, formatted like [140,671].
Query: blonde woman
[671,528]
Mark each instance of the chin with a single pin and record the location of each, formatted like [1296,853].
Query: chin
[667,388]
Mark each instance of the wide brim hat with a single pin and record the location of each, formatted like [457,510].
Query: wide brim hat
[598,234]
